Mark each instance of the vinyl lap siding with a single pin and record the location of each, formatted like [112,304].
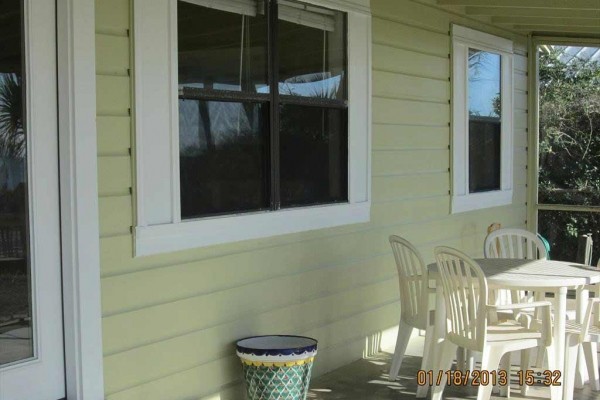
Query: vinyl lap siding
[170,321]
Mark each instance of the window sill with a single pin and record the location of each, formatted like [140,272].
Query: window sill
[157,239]
[478,201]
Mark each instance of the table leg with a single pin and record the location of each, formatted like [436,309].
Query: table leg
[560,318]
[581,375]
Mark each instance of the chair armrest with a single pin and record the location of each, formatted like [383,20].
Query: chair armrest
[520,306]
[588,317]
[545,314]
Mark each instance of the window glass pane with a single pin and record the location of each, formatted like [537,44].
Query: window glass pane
[16,319]
[312,51]
[222,50]
[223,157]
[314,155]
[484,121]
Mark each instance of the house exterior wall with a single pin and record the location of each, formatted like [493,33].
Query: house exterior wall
[170,321]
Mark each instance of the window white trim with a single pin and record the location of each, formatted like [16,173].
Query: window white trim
[218,230]
[79,199]
[159,225]
[463,39]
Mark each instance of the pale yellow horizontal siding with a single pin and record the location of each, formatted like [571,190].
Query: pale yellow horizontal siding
[112,17]
[402,86]
[409,112]
[170,321]
[410,62]
[112,54]
[112,95]
[114,135]
[423,41]
[410,161]
[116,214]
[409,137]
[114,175]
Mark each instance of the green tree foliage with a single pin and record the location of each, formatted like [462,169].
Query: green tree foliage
[569,149]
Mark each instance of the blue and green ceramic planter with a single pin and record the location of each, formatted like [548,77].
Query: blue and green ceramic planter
[277,367]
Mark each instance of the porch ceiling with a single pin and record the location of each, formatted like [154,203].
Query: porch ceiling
[576,18]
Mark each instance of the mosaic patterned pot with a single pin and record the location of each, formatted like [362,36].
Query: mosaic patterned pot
[277,367]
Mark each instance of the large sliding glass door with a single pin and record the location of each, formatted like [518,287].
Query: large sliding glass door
[31,330]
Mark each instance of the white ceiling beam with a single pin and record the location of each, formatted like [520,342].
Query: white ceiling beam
[551,4]
[556,29]
[589,22]
[530,12]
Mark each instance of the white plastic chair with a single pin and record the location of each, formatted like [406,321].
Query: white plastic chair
[582,334]
[474,324]
[414,302]
[519,244]
[514,243]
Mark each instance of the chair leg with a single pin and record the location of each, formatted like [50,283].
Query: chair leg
[489,362]
[525,357]
[562,392]
[590,350]
[470,361]
[426,363]
[505,365]
[443,361]
[461,356]
[539,358]
[404,332]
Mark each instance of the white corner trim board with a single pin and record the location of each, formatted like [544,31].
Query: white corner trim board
[79,199]
[159,226]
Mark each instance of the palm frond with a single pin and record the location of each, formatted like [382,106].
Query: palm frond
[12,135]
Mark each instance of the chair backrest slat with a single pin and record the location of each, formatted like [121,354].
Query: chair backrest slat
[413,280]
[465,291]
[514,243]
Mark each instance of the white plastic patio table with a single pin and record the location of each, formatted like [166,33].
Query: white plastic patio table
[536,275]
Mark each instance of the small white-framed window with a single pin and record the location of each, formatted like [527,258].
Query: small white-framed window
[482,122]
[252,119]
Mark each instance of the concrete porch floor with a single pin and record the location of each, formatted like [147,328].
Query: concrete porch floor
[367,379]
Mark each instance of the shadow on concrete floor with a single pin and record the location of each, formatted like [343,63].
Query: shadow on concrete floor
[367,379]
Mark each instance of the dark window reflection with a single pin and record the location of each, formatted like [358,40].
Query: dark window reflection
[484,121]
[16,341]
[314,155]
[223,157]
[226,124]
[221,50]
[312,48]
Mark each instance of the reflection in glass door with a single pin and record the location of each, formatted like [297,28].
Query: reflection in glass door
[32,363]
[16,322]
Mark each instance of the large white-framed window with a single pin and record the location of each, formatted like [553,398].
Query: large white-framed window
[482,122]
[255,127]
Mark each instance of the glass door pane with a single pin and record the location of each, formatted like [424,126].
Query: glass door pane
[16,321]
